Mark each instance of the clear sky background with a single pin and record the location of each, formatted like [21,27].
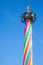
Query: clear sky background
[12,31]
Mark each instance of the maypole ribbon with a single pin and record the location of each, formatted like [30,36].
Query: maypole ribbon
[27,60]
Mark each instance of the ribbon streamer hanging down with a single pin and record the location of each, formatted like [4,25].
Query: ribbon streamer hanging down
[27,59]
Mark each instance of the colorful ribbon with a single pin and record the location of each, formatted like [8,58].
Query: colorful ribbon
[27,60]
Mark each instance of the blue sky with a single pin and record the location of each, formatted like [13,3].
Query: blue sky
[12,31]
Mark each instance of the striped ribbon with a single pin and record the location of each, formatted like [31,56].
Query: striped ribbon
[27,59]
